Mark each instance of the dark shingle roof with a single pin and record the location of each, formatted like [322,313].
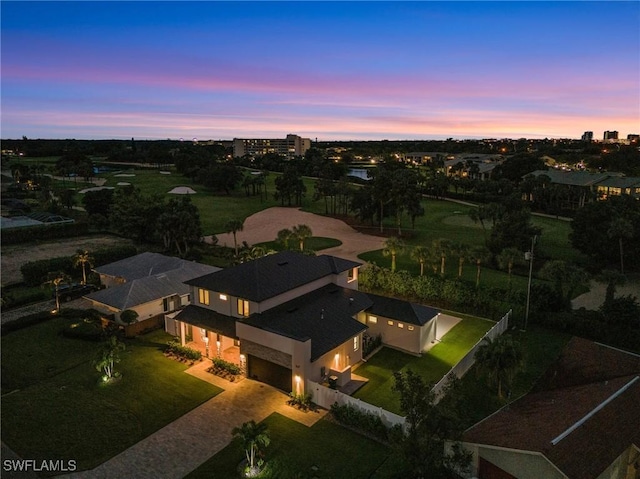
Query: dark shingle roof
[206,318]
[573,178]
[581,428]
[272,275]
[143,290]
[141,266]
[325,316]
[400,310]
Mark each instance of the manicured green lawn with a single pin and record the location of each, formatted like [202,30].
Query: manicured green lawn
[432,366]
[61,411]
[295,449]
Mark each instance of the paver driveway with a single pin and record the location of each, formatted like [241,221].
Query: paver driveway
[180,447]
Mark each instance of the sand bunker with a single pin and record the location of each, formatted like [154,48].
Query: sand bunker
[123,183]
[165,172]
[97,188]
[125,174]
[182,190]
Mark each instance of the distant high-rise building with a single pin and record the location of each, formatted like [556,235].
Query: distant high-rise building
[633,137]
[291,146]
[610,135]
[587,136]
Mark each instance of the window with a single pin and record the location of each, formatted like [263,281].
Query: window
[243,307]
[203,296]
[223,297]
[356,343]
[373,320]
[390,323]
[410,328]
[401,326]
[352,275]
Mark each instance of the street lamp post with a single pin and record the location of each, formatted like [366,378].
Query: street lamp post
[529,255]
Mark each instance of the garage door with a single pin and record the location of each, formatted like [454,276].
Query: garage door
[270,373]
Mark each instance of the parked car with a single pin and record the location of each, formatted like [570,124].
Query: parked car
[67,292]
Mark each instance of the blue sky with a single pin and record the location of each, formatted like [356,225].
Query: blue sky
[326,70]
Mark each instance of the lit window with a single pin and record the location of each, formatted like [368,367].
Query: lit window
[390,323]
[400,325]
[410,328]
[223,297]
[243,307]
[356,343]
[203,296]
[352,275]
[373,320]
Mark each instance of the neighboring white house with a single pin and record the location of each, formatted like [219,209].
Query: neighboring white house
[151,284]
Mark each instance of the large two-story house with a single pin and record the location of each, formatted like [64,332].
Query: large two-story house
[289,317]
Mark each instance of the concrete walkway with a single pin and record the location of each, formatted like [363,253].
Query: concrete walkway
[182,446]
[264,226]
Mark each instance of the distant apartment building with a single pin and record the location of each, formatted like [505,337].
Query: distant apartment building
[633,137]
[291,146]
[587,136]
[610,135]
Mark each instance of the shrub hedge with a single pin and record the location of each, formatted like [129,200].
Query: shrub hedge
[221,364]
[365,422]
[34,233]
[174,347]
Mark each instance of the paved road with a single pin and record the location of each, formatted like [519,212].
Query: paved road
[17,313]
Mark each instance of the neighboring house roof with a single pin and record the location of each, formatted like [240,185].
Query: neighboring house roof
[572,178]
[208,319]
[400,310]
[325,316]
[620,182]
[143,290]
[588,418]
[141,266]
[272,275]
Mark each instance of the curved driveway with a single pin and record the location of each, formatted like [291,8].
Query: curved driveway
[264,226]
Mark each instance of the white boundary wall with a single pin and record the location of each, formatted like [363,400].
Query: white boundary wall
[325,397]
[465,363]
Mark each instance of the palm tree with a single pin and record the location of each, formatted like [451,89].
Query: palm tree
[233,226]
[566,276]
[460,250]
[284,236]
[82,258]
[392,247]
[479,254]
[508,258]
[620,228]
[301,233]
[421,254]
[56,279]
[442,247]
[500,358]
[253,437]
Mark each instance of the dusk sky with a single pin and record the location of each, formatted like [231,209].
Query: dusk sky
[326,70]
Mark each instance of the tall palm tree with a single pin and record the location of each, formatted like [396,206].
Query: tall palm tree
[508,258]
[56,279]
[233,226]
[392,247]
[253,437]
[479,254]
[301,233]
[442,246]
[500,358]
[462,251]
[620,228]
[83,258]
[421,254]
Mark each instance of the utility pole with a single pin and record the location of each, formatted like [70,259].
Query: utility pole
[529,255]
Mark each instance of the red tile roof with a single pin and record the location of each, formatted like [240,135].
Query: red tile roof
[585,418]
